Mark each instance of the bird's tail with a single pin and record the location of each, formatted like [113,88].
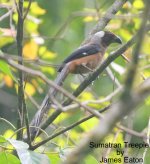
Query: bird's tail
[46,104]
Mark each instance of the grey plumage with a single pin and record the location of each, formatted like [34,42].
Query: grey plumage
[98,44]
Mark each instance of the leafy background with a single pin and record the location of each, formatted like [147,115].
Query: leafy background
[52,30]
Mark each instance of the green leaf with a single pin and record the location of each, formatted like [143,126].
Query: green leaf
[5,40]
[138,4]
[54,158]
[18,144]
[26,156]
[4,67]
[90,159]
[6,158]
[30,157]
[2,139]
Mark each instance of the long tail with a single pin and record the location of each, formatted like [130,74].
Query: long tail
[46,104]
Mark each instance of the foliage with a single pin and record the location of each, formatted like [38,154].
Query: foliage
[52,30]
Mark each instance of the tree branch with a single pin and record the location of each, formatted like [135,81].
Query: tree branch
[28,8]
[49,82]
[91,78]
[21,99]
[23,113]
[128,101]
[67,128]
[115,7]
[116,113]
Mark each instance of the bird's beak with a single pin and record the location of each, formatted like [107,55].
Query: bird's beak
[117,40]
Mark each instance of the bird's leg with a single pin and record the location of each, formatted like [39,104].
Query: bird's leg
[85,66]
[84,76]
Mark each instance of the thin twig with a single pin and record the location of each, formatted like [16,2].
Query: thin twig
[107,98]
[49,82]
[32,100]
[147,140]
[112,77]
[128,101]
[67,128]
[127,130]
[37,61]
[106,18]
[21,97]
[102,67]
[30,127]
[92,77]
[135,58]
[101,24]
[27,11]
[6,15]
[128,60]
[3,119]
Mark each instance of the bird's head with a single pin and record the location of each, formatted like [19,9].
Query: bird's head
[105,38]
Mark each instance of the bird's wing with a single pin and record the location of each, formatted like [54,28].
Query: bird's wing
[82,52]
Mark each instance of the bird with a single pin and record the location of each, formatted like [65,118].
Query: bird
[83,60]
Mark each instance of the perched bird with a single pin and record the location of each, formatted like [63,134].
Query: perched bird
[83,60]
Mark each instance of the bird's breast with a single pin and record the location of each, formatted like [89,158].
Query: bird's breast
[84,64]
